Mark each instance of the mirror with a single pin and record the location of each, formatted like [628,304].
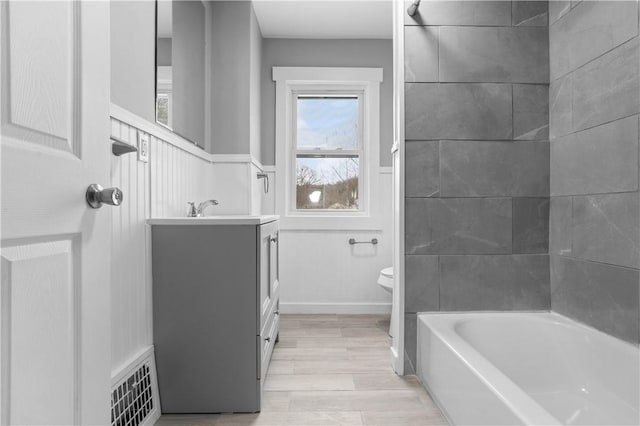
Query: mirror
[180,68]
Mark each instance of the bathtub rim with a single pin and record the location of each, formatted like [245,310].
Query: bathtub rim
[442,319]
[566,320]
[521,404]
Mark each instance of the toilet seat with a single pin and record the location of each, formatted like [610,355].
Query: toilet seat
[385,279]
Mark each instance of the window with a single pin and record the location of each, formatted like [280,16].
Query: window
[327,151]
[327,141]
[163,101]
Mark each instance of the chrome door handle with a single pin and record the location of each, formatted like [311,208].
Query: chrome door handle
[267,339]
[97,196]
[274,239]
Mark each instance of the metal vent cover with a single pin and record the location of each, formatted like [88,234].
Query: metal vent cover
[132,399]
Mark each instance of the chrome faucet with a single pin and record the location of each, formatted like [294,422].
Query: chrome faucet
[203,205]
[191,211]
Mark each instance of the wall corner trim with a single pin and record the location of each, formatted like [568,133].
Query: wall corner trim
[236,158]
[179,142]
[158,131]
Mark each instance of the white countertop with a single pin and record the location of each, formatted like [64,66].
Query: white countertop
[214,220]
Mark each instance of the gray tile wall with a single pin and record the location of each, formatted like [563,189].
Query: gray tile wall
[594,219]
[477,158]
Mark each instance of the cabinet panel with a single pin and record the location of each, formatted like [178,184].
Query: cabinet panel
[215,302]
[265,266]
[274,268]
[268,341]
[204,318]
[268,269]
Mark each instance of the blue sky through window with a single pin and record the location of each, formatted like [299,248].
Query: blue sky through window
[327,123]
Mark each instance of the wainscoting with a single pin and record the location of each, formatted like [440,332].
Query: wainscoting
[158,188]
[130,279]
[321,273]
[177,172]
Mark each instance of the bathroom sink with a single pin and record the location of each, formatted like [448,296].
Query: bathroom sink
[214,220]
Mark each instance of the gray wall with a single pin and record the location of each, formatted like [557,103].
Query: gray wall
[133,64]
[595,218]
[188,59]
[255,87]
[477,159]
[132,57]
[164,51]
[230,80]
[326,53]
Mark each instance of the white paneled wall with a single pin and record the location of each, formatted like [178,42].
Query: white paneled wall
[256,189]
[233,189]
[158,188]
[131,322]
[176,178]
[321,273]
[268,200]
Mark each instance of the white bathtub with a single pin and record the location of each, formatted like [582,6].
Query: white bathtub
[527,368]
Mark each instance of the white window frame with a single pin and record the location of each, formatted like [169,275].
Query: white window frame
[291,81]
[360,150]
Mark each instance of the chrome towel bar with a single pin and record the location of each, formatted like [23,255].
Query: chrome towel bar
[353,241]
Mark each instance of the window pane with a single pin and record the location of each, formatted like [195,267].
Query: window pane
[327,122]
[324,182]
[162,109]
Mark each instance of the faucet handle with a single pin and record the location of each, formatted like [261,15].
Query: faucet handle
[191,210]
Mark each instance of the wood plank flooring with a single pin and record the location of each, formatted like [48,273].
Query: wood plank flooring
[331,370]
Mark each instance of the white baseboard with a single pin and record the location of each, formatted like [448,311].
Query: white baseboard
[335,308]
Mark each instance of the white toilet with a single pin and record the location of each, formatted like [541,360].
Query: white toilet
[385,280]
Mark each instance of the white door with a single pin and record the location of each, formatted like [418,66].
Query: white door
[55,297]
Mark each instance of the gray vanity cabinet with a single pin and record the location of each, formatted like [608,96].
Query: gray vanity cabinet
[215,314]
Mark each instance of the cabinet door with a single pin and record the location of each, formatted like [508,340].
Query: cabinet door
[274,266]
[268,269]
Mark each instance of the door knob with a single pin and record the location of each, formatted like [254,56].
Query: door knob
[97,196]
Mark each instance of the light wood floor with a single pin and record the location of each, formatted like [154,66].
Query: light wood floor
[332,370]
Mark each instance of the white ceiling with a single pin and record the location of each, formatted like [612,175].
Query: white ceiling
[332,19]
